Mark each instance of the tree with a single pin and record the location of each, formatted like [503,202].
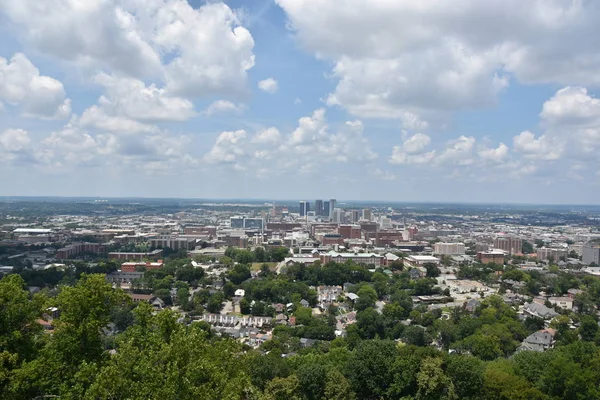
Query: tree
[311,380]
[282,389]
[588,328]
[466,373]
[414,335]
[215,303]
[527,247]
[369,323]
[337,387]
[239,273]
[432,382]
[369,368]
[432,270]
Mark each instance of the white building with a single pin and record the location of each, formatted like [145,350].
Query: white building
[449,249]
[419,261]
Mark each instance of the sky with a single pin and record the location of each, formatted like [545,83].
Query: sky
[396,100]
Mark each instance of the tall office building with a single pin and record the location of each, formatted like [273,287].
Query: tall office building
[326,209]
[332,206]
[338,216]
[355,215]
[304,208]
[318,207]
[367,214]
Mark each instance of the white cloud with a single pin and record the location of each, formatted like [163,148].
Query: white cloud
[268,85]
[195,52]
[97,117]
[269,135]
[37,95]
[497,155]
[458,152]
[383,175]
[571,106]
[430,58]
[412,151]
[541,148]
[228,147]
[14,140]
[132,98]
[416,143]
[222,106]
[308,146]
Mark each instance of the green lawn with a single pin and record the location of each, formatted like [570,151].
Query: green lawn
[256,266]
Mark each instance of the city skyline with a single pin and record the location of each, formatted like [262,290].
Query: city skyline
[274,100]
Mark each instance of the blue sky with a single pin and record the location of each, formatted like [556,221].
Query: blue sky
[474,101]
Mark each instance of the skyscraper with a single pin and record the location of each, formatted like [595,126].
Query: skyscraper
[326,209]
[332,206]
[366,214]
[304,208]
[318,207]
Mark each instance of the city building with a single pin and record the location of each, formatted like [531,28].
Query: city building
[332,206]
[386,237]
[131,266]
[76,249]
[509,244]
[125,256]
[544,254]
[236,222]
[319,208]
[367,214]
[360,258]
[338,216]
[350,231]
[449,249]
[254,223]
[173,243]
[419,261]
[304,208]
[591,253]
[494,256]
[326,209]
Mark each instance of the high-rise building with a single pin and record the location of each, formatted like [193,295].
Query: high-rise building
[318,207]
[237,222]
[366,214]
[304,208]
[509,244]
[326,209]
[591,253]
[332,206]
[338,216]
[355,215]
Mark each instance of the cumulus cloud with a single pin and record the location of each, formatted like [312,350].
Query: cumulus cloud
[222,106]
[411,151]
[194,51]
[134,99]
[268,85]
[37,95]
[497,155]
[429,58]
[540,148]
[311,144]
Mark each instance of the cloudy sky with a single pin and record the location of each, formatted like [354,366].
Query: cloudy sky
[477,101]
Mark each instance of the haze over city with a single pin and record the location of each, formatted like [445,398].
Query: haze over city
[402,101]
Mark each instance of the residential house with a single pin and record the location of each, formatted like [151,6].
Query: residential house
[562,302]
[538,310]
[538,341]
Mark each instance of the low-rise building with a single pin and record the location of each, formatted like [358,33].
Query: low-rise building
[419,261]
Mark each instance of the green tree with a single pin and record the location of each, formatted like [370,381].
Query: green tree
[432,381]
